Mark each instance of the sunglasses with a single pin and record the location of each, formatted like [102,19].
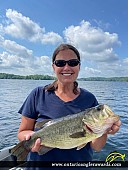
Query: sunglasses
[62,63]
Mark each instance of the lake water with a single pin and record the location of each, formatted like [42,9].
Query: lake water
[14,92]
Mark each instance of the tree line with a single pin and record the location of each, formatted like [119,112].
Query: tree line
[105,79]
[33,77]
[48,77]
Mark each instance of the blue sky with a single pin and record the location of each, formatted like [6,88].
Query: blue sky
[31,30]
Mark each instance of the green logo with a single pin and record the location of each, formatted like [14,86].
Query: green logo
[115,155]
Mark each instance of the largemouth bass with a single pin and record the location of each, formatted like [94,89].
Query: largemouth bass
[72,131]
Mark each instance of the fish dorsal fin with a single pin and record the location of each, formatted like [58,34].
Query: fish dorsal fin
[81,146]
[78,134]
[42,123]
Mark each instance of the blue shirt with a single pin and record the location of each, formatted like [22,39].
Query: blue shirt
[41,105]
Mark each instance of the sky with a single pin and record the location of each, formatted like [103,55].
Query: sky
[31,30]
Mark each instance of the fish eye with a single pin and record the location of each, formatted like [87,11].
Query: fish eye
[98,109]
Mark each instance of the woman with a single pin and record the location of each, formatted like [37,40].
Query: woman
[59,99]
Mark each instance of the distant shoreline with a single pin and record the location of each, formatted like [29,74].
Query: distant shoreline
[48,77]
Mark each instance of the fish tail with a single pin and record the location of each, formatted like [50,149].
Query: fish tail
[20,151]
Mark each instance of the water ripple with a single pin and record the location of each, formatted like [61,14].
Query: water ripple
[14,92]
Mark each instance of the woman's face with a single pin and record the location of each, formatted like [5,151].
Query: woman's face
[66,74]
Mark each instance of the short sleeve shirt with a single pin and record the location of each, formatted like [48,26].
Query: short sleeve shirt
[41,105]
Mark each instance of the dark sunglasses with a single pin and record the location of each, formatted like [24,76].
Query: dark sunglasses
[62,63]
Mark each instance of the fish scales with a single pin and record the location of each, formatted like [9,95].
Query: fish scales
[55,138]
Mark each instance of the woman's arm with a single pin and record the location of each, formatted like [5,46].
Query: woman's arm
[26,127]
[25,131]
[99,143]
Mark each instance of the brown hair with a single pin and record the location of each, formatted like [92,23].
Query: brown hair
[61,47]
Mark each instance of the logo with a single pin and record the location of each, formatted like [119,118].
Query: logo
[115,155]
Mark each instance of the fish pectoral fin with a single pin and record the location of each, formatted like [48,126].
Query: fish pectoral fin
[78,135]
[44,149]
[42,123]
[81,146]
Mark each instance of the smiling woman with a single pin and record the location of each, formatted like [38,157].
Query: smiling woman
[66,65]
[61,98]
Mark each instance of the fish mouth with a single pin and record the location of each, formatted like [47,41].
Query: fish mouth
[108,110]
[111,114]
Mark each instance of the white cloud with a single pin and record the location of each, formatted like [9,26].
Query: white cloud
[23,27]
[125,61]
[91,72]
[51,38]
[93,43]
[104,70]
[114,69]
[18,65]
[1,28]
[14,48]
[40,65]
[96,48]
[20,60]
[9,60]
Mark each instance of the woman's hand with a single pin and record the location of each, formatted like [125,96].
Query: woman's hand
[115,128]
[37,144]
